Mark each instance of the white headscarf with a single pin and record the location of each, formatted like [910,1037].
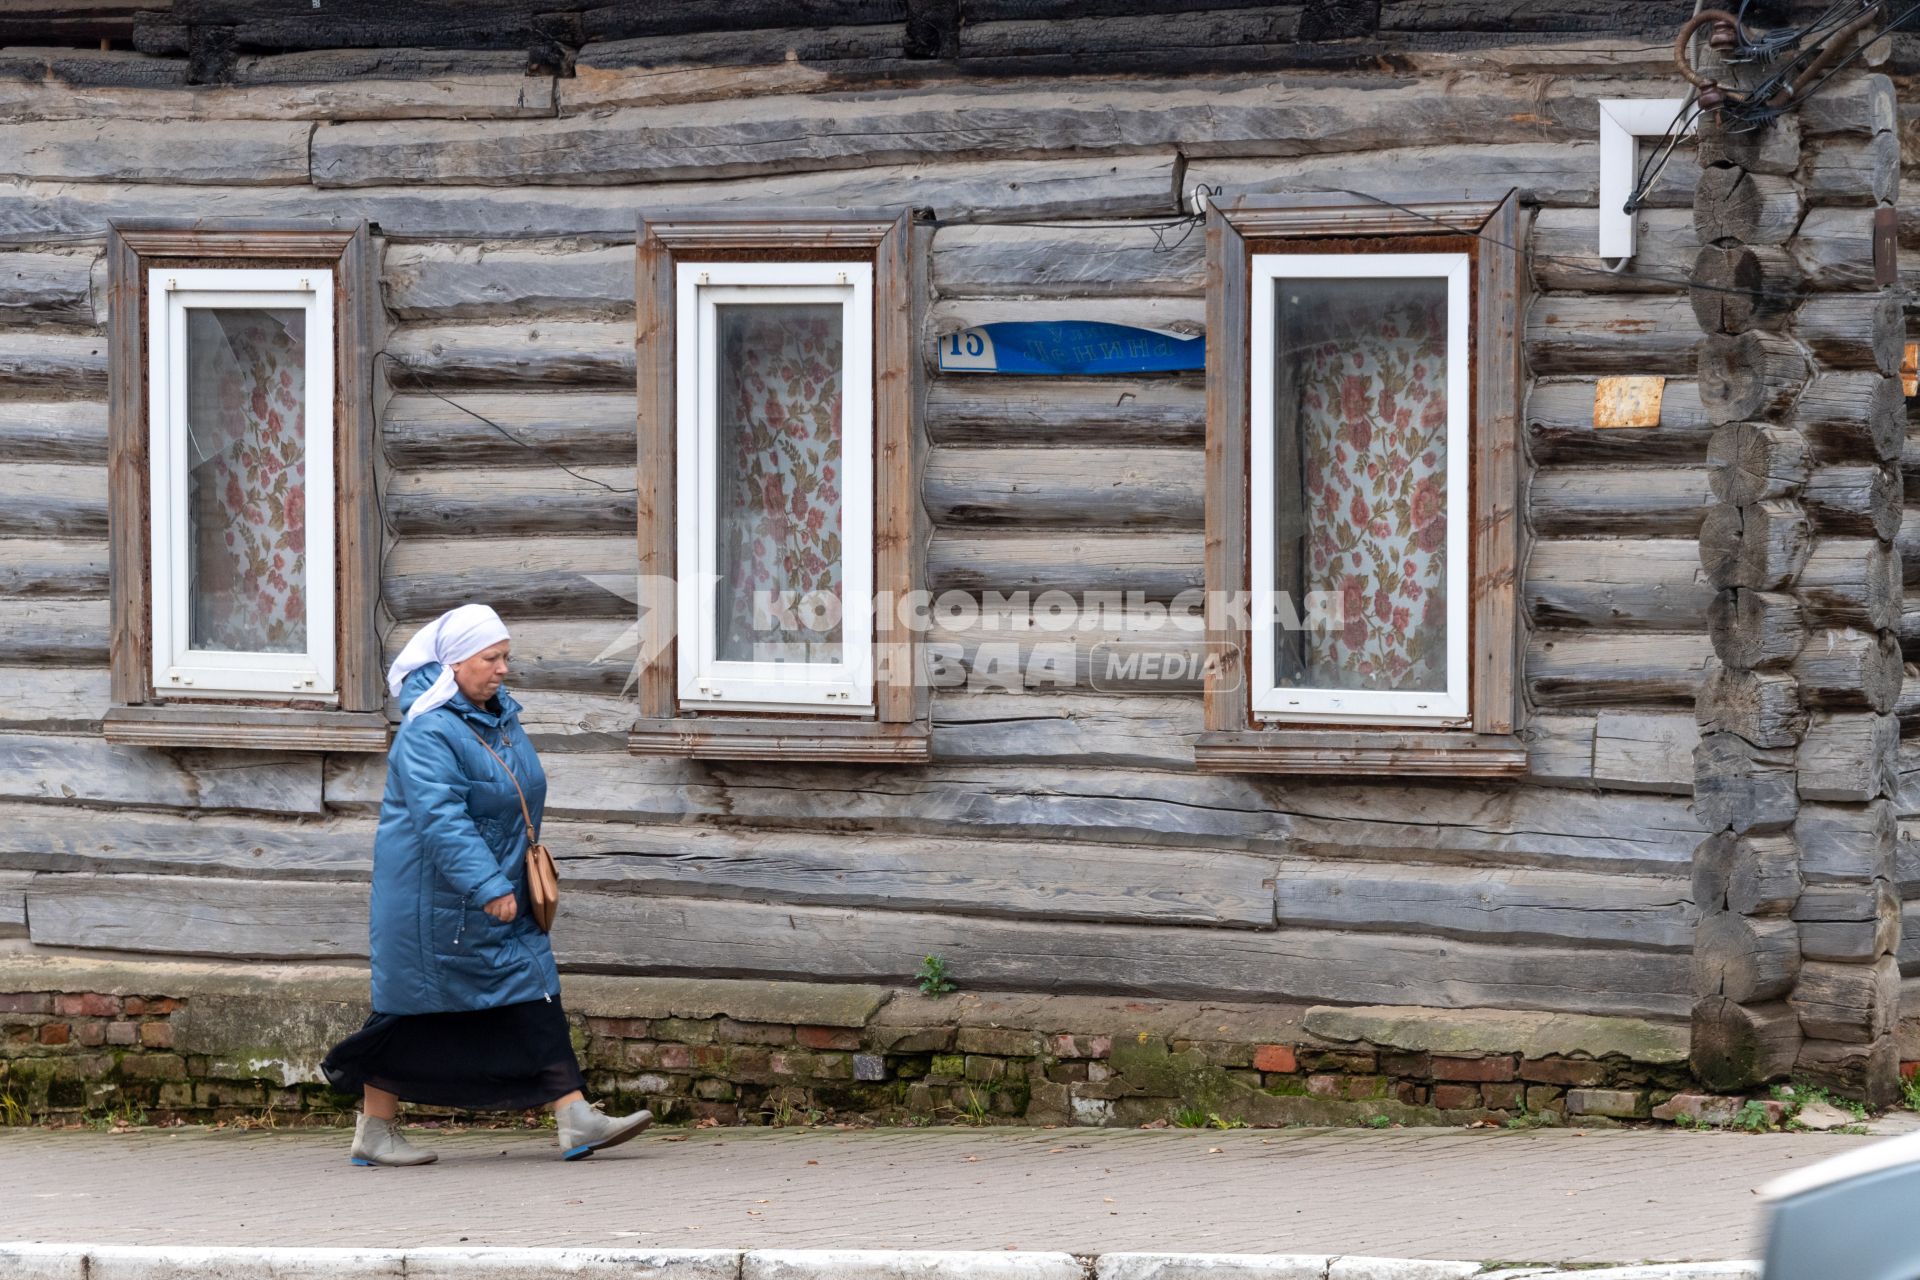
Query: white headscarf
[454,636]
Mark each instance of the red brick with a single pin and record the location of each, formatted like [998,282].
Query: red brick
[1505,1097]
[133,1005]
[1571,1072]
[1327,1086]
[676,1057]
[1414,1095]
[1276,1058]
[55,1033]
[26,1002]
[122,1033]
[710,1057]
[1456,1097]
[1906,1068]
[90,1034]
[620,1028]
[1473,1069]
[839,1038]
[162,1004]
[86,1006]
[156,1035]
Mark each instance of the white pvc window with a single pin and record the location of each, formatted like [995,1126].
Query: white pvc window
[240,458]
[1359,485]
[775,483]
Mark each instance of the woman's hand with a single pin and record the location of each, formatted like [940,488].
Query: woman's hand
[503,908]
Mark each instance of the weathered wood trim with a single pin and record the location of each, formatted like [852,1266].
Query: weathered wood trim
[1360,752]
[131,247]
[1498,376]
[249,728]
[1260,216]
[1228,702]
[794,738]
[900,729]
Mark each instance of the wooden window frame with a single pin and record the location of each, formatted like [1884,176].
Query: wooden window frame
[1234,738]
[897,727]
[351,716]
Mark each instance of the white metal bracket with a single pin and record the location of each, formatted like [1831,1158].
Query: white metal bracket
[1623,122]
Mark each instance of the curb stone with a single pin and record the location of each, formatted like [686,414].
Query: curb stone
[141,1262]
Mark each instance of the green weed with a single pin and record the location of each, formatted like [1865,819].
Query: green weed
[1215,1122]
[13,1112]
[1752,1117]
[933,978]
[1190,1118]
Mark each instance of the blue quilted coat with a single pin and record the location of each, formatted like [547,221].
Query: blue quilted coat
[451,840]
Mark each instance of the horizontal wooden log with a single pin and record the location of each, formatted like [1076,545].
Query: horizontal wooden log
[48,366]
[1742,788]
[1063,40]
[1107,412]
[1737,207]
[53,431]
[262,152]
[1861,105]
[1522,906]
[1611,333]
[570,353]
[53,699]
[1747,875]
[1761,707]
[1751,461]
[75,770]
[1557,174]
[660,70]
[1067,187]
[1650,584]
[1299,817]
[579,428]
[1834,249]
[1115,652]
[1857,170]
[1138,732]
[1869,1072]
[1081,488]
[512,500]
[1564,257]
[1774,148]
[51,499]
[1560,748]
[66,632]
[383,84]
[1751,376]
[1067,261]
[1756,628]
[155,842]
[1560,424]
[1849,924]
[1568,669]
[1158,565]
[1645,751]
[1748,959]
[643,933]
[1854,330]
[1619,501]
[1862,500]
[1761,546]
[1851,1003]
[47,288]
[53,567]
[1851,582]
[1852,417]
[522,578]
[517,282]
[779,135]
[1847,668]
[1847,843]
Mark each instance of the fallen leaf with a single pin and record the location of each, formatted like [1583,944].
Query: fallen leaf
[1054,1151]
[1107,1199]
[972,1159]
[1214,1151]
[678,1137]
[813,1162]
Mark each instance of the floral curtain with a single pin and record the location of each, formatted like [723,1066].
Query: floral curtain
[780,475]
[246,480]
[1363,380]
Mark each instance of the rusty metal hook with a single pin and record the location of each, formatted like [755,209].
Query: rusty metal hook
[1685,38]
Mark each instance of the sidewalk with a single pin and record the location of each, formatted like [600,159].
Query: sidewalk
[1541,1196]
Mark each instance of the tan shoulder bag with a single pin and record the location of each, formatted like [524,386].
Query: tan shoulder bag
[543,878]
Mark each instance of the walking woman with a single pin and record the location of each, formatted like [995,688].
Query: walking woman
[466,997]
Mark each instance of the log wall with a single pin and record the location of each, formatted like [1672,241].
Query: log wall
[1060,839]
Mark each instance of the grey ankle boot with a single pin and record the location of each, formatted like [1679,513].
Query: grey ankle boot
[378,1142]
[584,1130]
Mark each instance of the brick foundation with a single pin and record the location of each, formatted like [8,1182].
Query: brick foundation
[211,1043]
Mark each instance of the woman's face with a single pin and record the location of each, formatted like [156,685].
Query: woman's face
[481,676]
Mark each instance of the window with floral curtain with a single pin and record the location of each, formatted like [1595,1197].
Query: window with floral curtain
[780,472]
[246,479]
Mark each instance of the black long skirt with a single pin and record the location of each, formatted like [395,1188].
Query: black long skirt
[511,1058]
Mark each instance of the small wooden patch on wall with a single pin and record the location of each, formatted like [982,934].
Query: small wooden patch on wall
[1628,401]
[1910,370]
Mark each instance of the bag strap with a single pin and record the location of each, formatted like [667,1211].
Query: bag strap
[533,837]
